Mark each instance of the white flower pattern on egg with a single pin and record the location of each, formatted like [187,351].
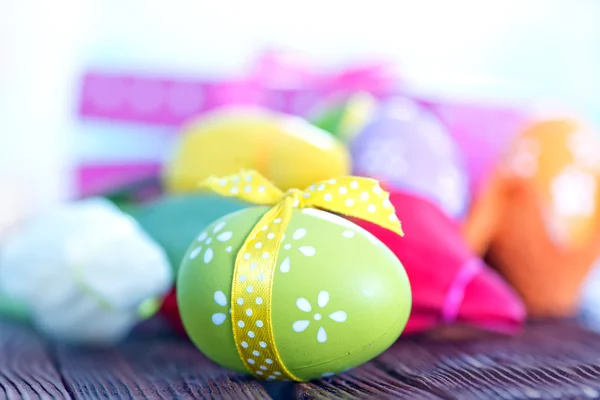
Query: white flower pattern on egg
[205,239]
[573,192]
[221,300]
[585,153]
[305,306]
[307,251]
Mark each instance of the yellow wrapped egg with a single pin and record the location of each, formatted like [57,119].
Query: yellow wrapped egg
[287,150]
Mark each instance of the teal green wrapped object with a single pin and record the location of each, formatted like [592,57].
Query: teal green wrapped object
[174,221]
[10,308]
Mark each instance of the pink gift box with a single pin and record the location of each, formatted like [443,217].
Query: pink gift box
[481,132]
[158,100]
[277,82]
[102,178]
[118,101]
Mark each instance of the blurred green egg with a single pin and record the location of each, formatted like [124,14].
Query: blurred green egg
[345,116]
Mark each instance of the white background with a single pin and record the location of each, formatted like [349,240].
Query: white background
[505,49]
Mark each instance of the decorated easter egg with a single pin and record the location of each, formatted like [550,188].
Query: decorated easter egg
[560,159]
[340,297]
[543,198]
[409,149]
[294,292]
[286,149]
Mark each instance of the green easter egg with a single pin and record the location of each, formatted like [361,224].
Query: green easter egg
[340,297]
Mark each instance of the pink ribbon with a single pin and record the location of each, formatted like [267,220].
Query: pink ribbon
[456,292]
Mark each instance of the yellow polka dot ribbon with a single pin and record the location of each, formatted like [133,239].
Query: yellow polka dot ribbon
[256,261]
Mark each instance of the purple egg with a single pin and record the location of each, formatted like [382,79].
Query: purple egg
[408,148]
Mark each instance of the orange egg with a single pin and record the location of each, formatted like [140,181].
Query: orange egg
[560,159]
[538,218]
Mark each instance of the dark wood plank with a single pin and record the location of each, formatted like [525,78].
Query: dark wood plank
[552,359]
[151,364]
[26,370]
[365,382]
[549,360]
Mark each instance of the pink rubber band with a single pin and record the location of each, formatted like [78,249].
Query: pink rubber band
[456,291]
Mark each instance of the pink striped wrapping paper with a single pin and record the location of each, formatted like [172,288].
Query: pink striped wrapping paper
[158,100]
[133,106]
[160,105]
[120,102]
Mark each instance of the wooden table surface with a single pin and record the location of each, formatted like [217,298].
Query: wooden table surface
[549,360]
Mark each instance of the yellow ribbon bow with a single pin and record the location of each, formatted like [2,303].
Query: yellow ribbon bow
[257,258]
